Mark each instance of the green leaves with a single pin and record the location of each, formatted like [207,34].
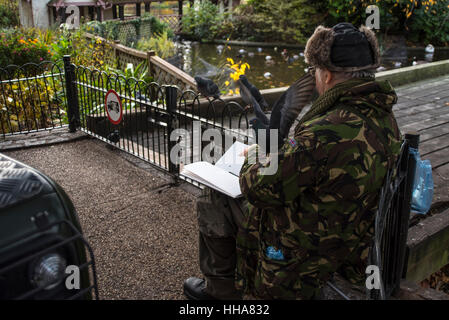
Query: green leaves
[161,44]
[19,46]
[9,18]
[202,22]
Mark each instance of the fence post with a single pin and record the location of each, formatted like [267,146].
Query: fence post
[72,96]
[171,94]
[150,54]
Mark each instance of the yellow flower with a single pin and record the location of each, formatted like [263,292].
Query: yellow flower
[227,83]
[234,76]
[231,92]
[237,91]
[230,60]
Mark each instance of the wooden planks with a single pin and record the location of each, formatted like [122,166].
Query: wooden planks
[441,184]
[428,244]
[424,107]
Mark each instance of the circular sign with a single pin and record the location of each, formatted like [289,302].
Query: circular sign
[113,106]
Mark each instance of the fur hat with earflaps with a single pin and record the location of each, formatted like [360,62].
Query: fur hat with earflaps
[343,48]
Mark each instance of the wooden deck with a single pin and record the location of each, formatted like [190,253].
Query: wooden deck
[424,107]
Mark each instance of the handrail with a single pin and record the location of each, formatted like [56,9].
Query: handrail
[171,69]
[152,59]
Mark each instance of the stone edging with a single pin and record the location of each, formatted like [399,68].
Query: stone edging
[289,45]
[39,138]
[405,75]
[397,77]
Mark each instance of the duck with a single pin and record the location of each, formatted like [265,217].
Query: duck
[430,49]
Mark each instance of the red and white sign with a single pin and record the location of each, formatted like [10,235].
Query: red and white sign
[113,106]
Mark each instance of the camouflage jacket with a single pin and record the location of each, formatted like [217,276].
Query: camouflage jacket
[318,208]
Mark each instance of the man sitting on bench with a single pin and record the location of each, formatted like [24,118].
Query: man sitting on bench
[315,215]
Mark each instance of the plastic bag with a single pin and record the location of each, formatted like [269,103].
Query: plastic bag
[422,191]
[274,254]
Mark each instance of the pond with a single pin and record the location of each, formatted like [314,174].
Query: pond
[270,67]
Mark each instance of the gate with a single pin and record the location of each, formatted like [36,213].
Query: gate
[156,118]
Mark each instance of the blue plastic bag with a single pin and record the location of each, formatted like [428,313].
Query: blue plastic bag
[274,254]
[422,192]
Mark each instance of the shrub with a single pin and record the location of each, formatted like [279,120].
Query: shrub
[9,17]
[282,20]
[424,21]
[430,23]
[19,46]
[203,22]
[39,105]
[162,45]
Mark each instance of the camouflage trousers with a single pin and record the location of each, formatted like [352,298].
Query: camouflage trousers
[219,218]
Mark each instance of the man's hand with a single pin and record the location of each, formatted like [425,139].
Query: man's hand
[245,152]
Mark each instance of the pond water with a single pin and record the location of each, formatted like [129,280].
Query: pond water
[270,67]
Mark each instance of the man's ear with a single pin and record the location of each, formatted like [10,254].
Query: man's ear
[328,76]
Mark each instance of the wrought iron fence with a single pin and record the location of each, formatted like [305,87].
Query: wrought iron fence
[32,97]
[153,114]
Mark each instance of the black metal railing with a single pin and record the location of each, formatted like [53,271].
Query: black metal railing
[196,116]
[32,97]
[48,95]
[153,116]
[388,251]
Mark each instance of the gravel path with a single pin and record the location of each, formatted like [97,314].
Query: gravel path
[145,241]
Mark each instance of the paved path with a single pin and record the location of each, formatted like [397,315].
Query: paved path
[144,235]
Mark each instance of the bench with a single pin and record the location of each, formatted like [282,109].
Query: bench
[388,250]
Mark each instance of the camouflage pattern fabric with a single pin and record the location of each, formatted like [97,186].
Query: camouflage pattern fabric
[319,207]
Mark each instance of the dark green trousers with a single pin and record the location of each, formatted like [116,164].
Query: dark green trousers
[219,218]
